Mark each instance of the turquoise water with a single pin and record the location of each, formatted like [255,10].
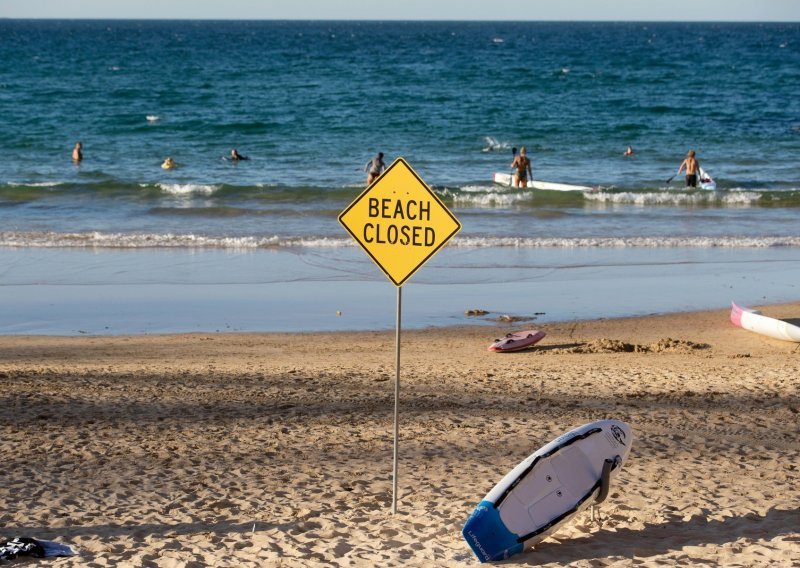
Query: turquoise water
[311,102]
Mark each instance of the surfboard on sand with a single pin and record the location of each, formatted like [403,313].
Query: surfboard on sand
[508,179]
[517,341]
[755,321]
[547,489]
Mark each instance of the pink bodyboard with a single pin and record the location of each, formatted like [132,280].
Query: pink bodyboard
[736,314]
[517,341]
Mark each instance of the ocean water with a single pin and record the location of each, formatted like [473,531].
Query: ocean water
[310,102]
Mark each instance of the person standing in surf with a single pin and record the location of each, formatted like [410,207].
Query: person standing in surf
[692,167]
[523,166]
[374,168]
[77,153]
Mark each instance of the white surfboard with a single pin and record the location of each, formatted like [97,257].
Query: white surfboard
[508,179]
[548,489]
[754,320]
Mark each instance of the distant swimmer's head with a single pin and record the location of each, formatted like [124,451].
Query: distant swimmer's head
[168,164]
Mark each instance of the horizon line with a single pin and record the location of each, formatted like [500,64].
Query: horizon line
[373,20]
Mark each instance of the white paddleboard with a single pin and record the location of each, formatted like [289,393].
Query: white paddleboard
[508,179]
[705,181]
[753,320]
[548,489]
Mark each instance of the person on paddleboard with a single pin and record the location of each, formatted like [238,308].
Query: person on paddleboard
[523,166]
[692,167]
[374,168]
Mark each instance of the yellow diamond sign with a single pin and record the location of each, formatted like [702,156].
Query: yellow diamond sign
[399,222]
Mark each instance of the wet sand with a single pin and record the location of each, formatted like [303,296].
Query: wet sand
[275,449]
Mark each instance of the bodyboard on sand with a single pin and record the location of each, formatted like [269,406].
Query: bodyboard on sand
[517,341]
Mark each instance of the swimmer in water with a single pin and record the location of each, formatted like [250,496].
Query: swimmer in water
[77,153]
[374,168]
[168,164]
[236,156]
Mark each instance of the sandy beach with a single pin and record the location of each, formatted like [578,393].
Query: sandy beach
[230,449]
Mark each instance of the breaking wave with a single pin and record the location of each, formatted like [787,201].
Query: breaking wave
[95,239]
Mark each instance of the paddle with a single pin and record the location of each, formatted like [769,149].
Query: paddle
[671,178]
[514,154]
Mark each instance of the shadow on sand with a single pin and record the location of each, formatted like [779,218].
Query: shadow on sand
[656,539]
[652,540]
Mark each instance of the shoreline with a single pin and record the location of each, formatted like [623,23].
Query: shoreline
[490,322]
[273,449]
[115,293]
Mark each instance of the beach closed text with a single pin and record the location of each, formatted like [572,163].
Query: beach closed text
[399,222]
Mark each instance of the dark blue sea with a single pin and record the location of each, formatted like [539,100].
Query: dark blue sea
[310,102]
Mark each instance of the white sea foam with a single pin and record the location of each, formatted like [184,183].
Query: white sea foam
[133,240]
[170,240]
[493,144]
[470,189]
[492,198]
[743,198]
[188,188]
[628,242]
[152,118]
[34,184]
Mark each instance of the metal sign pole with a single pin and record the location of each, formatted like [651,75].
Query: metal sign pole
[375,220]
[396,397]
